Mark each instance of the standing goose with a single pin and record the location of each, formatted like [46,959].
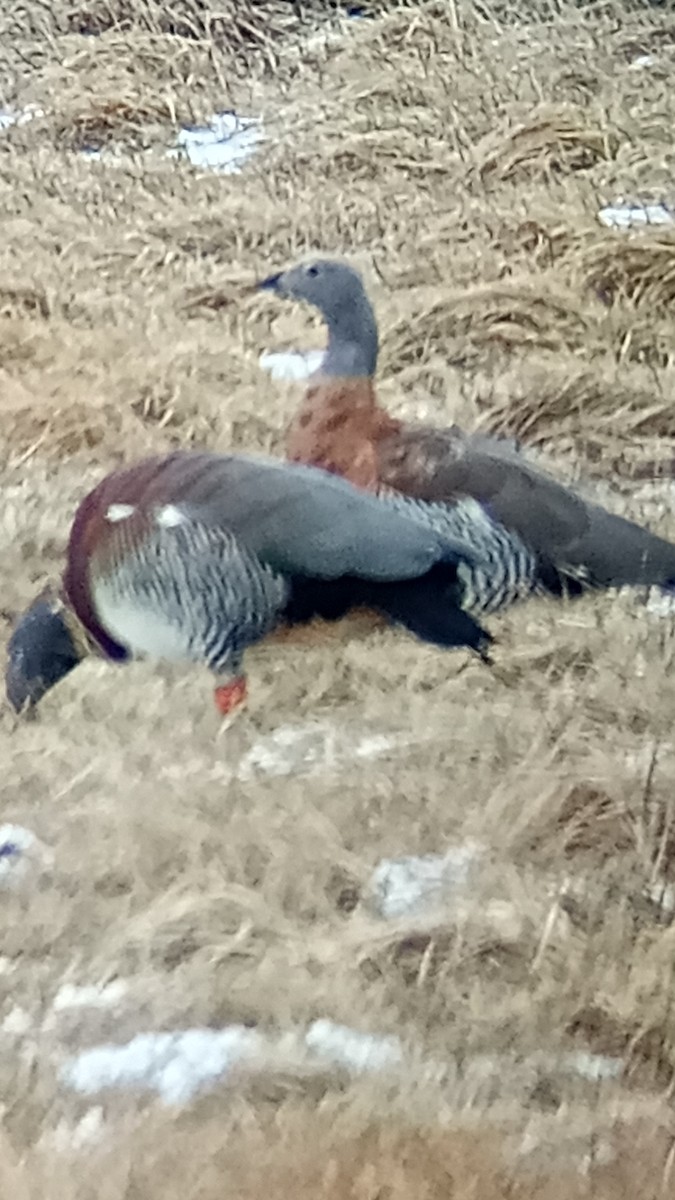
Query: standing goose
[197,556]
[533,534]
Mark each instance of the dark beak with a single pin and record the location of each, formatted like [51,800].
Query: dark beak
[271,284]
[40,652]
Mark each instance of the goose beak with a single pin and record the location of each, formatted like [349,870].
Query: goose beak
[273,283]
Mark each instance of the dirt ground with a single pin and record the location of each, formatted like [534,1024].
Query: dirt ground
[460,157]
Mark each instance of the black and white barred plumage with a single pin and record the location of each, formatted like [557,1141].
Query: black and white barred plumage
[504,570]
[198,556]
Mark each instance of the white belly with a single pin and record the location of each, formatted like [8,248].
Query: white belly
[140,629]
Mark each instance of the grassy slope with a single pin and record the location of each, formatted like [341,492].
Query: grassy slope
[460,161]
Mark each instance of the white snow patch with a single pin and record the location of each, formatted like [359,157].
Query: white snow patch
[19,849]
[175,1065]
[480,1069]
[359,1052]
[314,747]
[592,1066]
[660,604]
[291,365]
[404,887]
[20,116]
[626,216]
[642,62]
[223,145]
[661,894]
[378,744]
[179,1065]
[18,1022]
[107,995]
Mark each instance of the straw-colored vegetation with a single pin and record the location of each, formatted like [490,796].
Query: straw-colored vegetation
[459,156]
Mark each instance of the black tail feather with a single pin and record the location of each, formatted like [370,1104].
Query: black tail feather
[428,607]
[559,583]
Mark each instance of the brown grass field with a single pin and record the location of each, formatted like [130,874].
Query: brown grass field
[459,156]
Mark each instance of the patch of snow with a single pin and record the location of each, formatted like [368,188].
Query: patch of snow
[641,62]
[626,216]
[108,155]
[106,995]
[178,1066]
[404,887]
[223,145]
[19,847]
[660,604]
[291,365]
[592,1066]
[175,1065]
[378,744]
[15,840]
[345,1047]
[17,1022]
[479,1071]
[313,747]
[662,894]
[21,116]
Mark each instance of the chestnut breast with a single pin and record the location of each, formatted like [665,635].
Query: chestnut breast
[338,428]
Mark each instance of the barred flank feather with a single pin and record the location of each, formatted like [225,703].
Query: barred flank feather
[191,587]
[506,572]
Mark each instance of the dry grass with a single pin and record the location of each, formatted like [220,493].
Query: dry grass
[459,158]
[549,143]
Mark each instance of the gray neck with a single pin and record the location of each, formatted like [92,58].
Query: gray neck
[352,340]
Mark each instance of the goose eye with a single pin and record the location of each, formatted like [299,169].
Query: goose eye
[312,272]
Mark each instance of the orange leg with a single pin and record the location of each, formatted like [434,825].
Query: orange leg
[230,695]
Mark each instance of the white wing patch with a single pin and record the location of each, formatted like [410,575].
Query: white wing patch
[169,516]
[119,512]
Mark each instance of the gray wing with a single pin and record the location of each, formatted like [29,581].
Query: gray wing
[579,537]
[303,521]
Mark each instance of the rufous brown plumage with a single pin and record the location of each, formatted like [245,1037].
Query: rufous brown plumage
[535,534]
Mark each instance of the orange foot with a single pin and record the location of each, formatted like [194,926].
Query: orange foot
[230,695]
